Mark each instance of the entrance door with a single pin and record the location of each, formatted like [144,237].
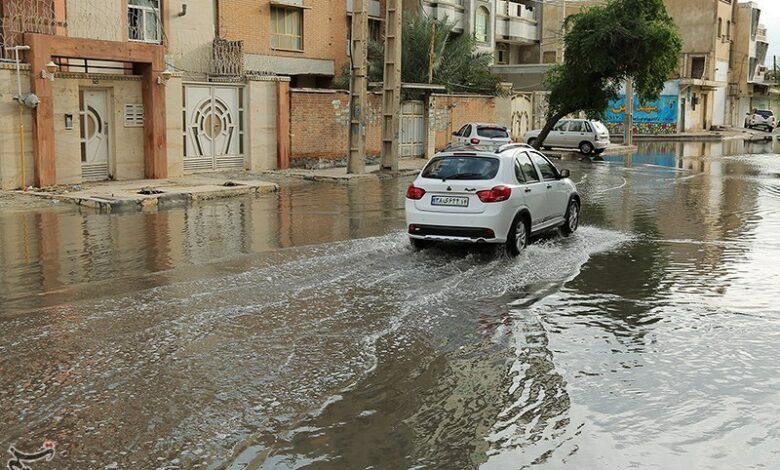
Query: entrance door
[94,134]
[213,127]
[412,129]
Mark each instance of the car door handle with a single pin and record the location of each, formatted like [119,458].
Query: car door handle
[528,190]
[549,186]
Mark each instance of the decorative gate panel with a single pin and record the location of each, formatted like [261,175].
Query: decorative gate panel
[213,127]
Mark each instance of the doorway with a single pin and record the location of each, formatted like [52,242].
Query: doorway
[94,117]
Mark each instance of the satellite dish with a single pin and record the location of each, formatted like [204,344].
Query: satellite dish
[31,100]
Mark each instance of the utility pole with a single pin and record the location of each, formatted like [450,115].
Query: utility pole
[628,123]
[358,88]
[391,96]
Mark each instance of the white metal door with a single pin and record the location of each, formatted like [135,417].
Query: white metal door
[213,127]
[94,120]
[412,129]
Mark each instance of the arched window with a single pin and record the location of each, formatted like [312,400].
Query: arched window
[481,31]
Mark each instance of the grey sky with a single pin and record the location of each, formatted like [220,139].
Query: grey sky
[770,17]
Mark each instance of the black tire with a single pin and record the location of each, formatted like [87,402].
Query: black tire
[419,245]
[586,148]
[572,221]
[532,141]
[516,244]
[599,151]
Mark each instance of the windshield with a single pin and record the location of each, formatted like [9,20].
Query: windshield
[492,132]
[764,113]
[462,168]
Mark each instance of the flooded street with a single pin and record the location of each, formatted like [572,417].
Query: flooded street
[300,330]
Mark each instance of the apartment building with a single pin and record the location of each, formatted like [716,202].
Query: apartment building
[748,85]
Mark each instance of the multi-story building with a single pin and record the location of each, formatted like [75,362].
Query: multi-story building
[141,89]
[748,85]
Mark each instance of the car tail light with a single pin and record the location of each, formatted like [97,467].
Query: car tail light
[415,193]
[475,141]
[497,194]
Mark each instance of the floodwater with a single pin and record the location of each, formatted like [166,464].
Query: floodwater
[299,330]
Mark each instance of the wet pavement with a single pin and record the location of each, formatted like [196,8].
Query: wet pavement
[299,330]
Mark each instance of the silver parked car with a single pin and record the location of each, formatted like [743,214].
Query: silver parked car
[763,118]
[481,136]
[587,135]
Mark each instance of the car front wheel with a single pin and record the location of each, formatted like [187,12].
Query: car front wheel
[572,222]
[517,241]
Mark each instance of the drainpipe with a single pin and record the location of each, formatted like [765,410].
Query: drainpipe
[19,100]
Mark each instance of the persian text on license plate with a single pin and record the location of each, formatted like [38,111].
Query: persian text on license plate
[454,201]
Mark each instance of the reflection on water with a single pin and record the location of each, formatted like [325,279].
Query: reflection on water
[300,331]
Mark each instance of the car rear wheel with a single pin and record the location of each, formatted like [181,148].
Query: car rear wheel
[419,245]
[572,222]
[517,240]
[586,148]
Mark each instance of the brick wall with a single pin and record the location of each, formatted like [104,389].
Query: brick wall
[324,28]
[448,113]
[319,124]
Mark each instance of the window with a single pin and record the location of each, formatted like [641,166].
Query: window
[576,126]
[491,132]
[467,131]
[587,127]
[728,29]
[529,172]
[286,28]
[502,53]
[481,32]
[561,126]
[143,20]
[720,27]
[462,131]
[697,67]
[462,168]
[548,170]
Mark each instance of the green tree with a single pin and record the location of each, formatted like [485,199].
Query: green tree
[605,46]
[431,46]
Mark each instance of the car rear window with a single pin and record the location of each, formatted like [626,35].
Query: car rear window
[764,113]
[489,132]
[462,168]
[600,128]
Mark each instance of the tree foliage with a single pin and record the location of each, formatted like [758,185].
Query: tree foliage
[456,61]
[606,45]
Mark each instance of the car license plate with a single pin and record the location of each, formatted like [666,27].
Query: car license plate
[453,201]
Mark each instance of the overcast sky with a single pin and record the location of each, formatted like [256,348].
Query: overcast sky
[770,17]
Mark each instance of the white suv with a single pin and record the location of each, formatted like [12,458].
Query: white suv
[490,197]
[761,118]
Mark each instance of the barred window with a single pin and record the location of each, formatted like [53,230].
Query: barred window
[481,25]
[143,21]
[286,28]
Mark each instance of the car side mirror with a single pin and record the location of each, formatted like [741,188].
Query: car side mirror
[565,173]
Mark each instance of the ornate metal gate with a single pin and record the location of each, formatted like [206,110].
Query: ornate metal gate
[213,127]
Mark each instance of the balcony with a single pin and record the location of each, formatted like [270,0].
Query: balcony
[374,8]
[451,9]
[516,23]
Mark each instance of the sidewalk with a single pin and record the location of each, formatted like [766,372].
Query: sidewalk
[110,196]
[406,167]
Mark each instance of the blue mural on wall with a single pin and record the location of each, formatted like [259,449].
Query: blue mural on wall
[653,117]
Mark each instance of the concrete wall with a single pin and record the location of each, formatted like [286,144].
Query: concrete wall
[106,20]
[190,36]
[174,103]
[10,148]
[261,115]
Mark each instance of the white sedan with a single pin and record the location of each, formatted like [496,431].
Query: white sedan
[586,135]
[499,197]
